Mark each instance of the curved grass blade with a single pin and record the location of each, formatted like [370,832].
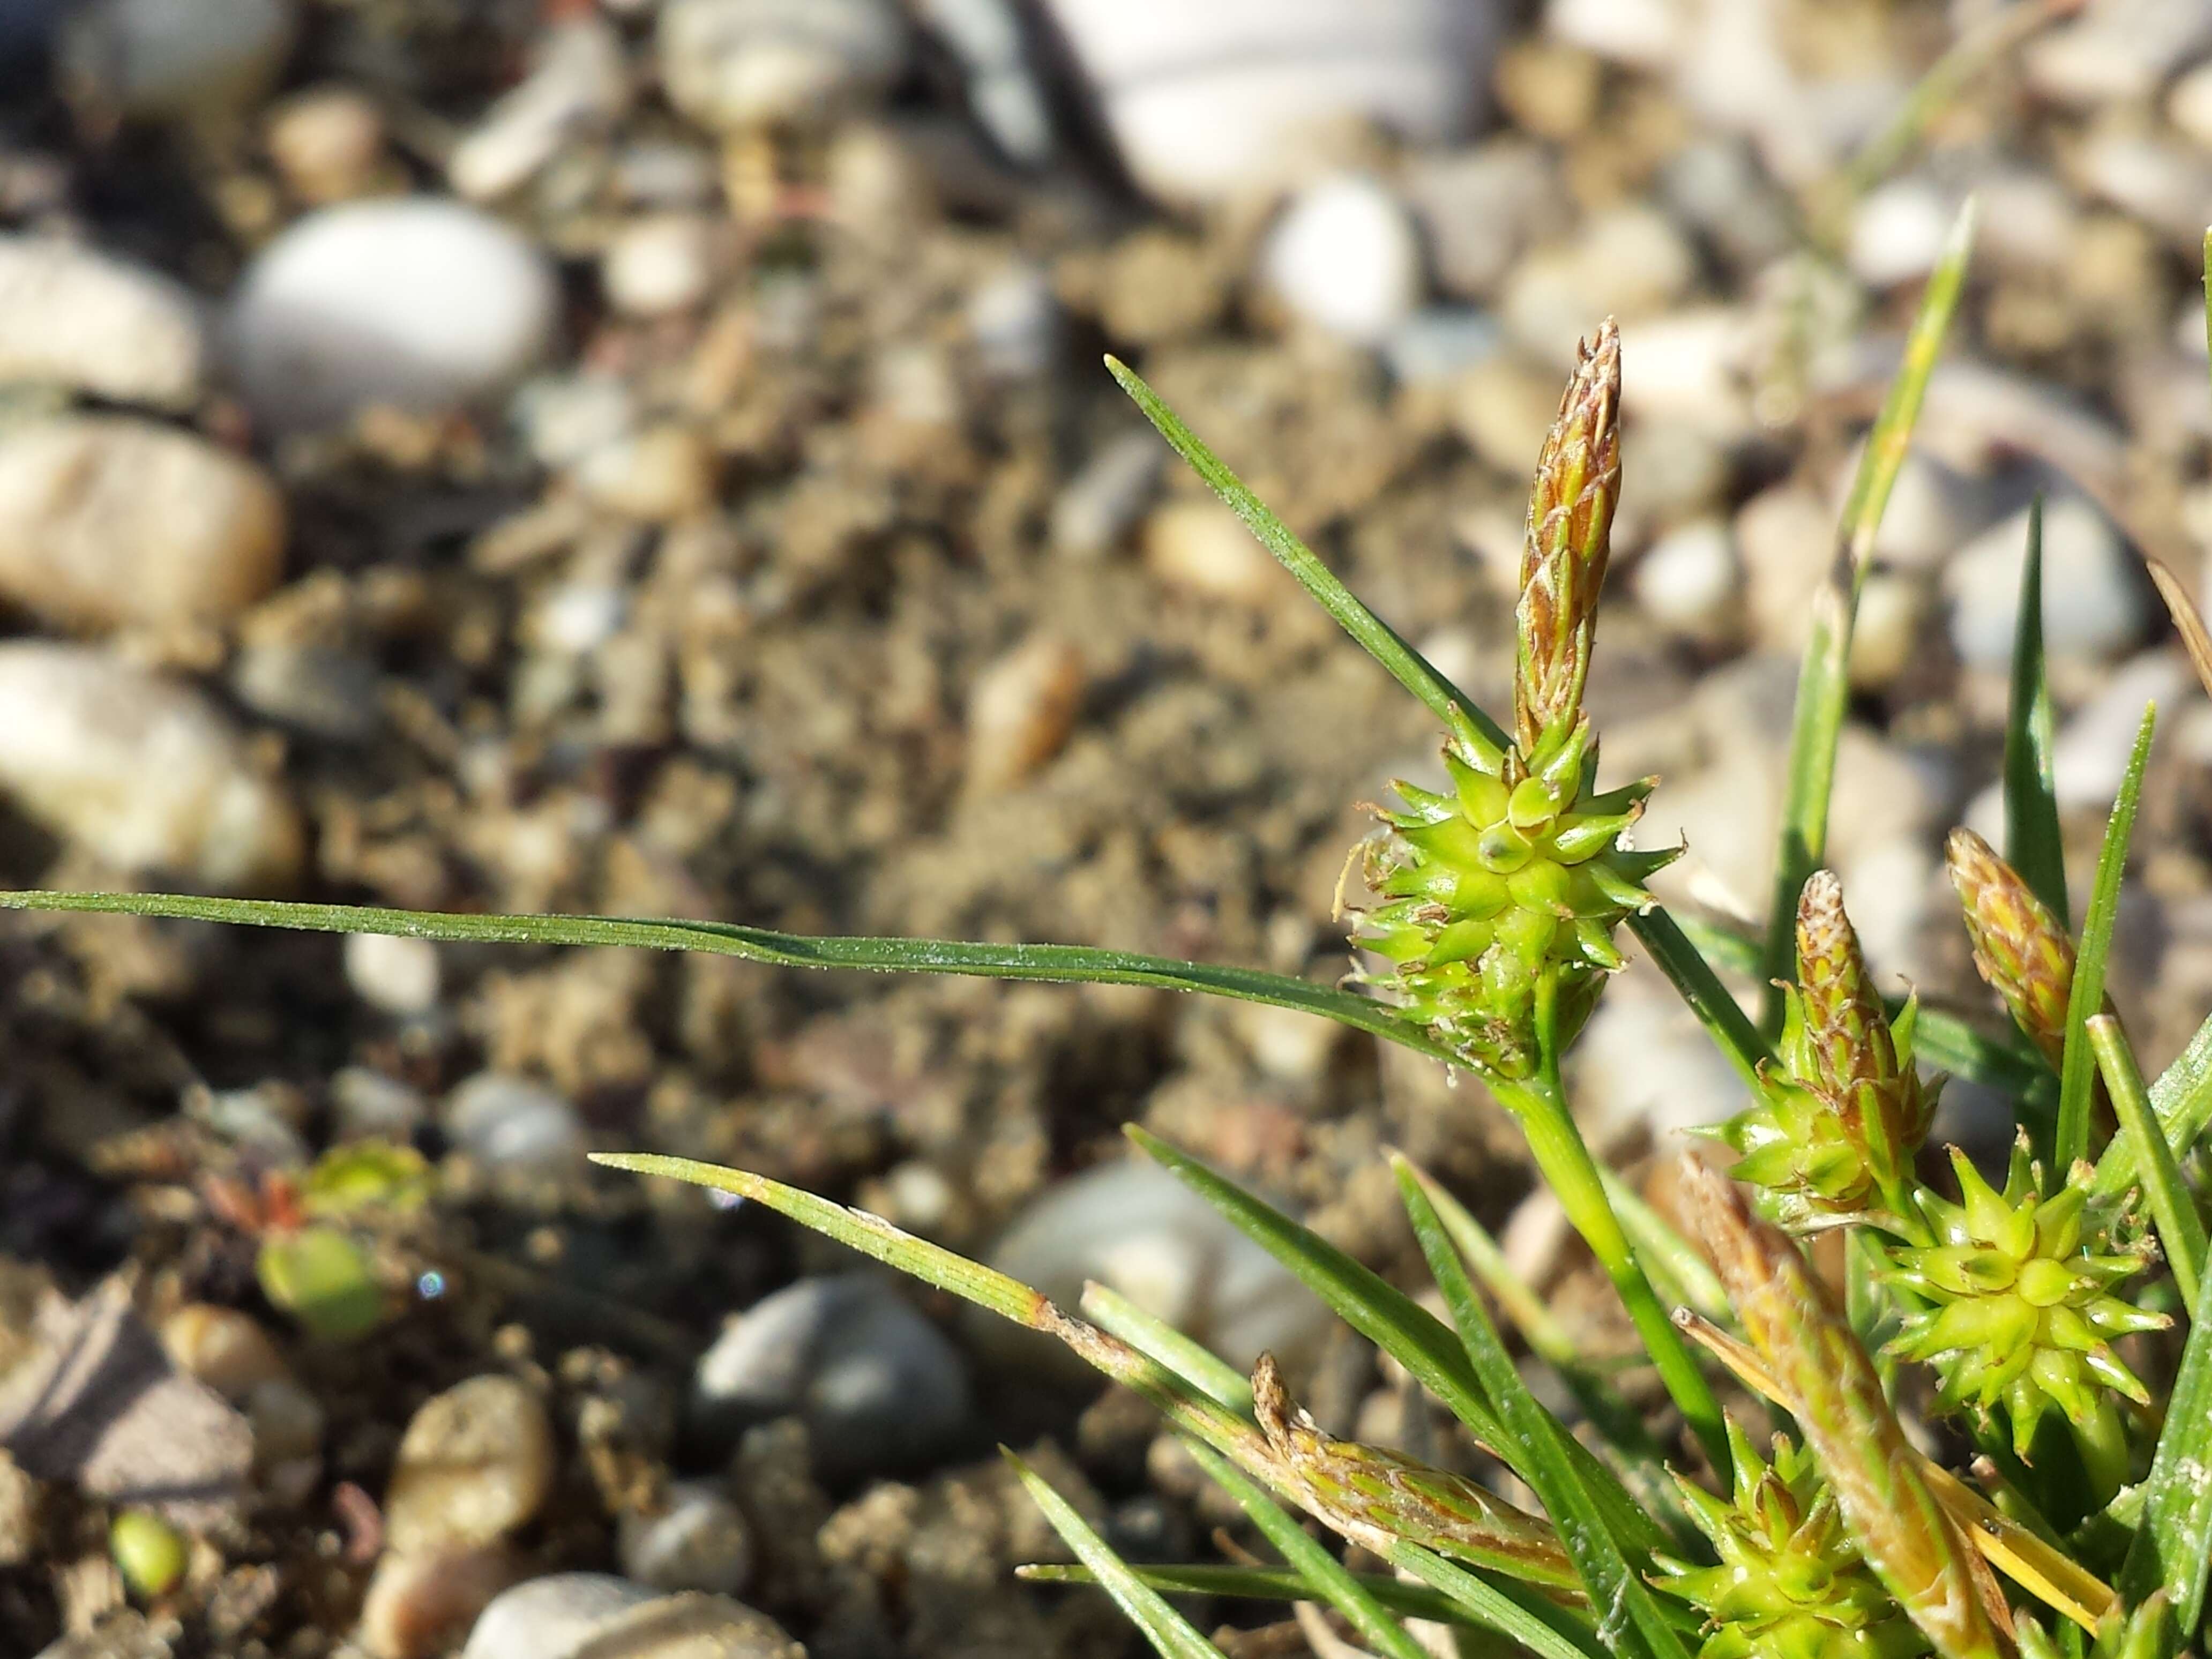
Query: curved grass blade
[1719,1013]
[1678,1269]
[1630,1621]
[2180,1229]
[2172,1548]
[1078,963]
[2188,620]
[1824,681]
[1327,1578]
[1382,1314]
[1618,1422]
[1407,666]
[2087,998]
[1184,1406]
[2032,843]
[1268,1584]
[2182,1097]
[1544,1627]
[1171,1635]
[1168,1347]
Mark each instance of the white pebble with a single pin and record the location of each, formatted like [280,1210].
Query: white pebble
[589,1615]
[659,264]
[108,520]
[1690,580]
[1136,1229]
[697,1540]
[2118,49]
[1208,101]
[1344,257]
[396,974]
[1021,710]
[578,86]
[1628,262]
[140,770]
[475,1462]
[508,1123]
[1898,231]
[732,64]
[1480,209]
[158,60]
[75,317]
[1645,33]
[416,302]
[2092,606]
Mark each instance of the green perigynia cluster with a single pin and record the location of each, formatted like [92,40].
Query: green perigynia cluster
[1517,870]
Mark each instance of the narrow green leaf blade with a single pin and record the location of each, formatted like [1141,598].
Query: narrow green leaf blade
[2180,1229]
[1545,1628]
[2032,843]
[1171,1635]
[1077,964]
[1378,1310]
[1169,1348]
[2182,1097]
[1267,1584]
[1611,1580]
[2172,1548]
[1328,1577]
[1824,681]
[1678,1269]
[2087,998]
[1406,664]
[1709,1000]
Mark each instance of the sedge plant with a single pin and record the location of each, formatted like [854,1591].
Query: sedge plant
[1982,1425]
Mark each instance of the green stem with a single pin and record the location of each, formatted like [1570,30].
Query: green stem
[1563,1158]
[2103,1442]
[2180,1229]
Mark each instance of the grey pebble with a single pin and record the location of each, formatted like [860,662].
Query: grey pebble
[880,1387]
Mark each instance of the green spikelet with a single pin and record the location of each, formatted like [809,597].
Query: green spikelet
[1790,1583]
[1519,870]
[1844,1111]
[2020,946]
[2020,1310]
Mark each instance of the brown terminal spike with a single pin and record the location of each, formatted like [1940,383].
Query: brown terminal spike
[1570,507]
[1846,1041]
[2020,946]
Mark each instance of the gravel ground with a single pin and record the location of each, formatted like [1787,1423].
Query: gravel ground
[652,459]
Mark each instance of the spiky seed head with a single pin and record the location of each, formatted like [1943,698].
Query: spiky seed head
[2017,1304]
[1570,506]
[2020,946]
[1845,1110]
[1378,1498]
[1790,1582]
[1792,1319]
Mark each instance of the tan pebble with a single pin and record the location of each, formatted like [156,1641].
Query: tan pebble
[140,770]
[475,1462]
[105,520]
[663,473]
[1021,710]
[418,1606]
[1201,547]
[1502,408]
[73,317]
[659,263]
[225,1349]
[1886,632]
[328,142]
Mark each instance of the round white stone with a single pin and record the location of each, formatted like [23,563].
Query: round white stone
[416,302]
[1345,256]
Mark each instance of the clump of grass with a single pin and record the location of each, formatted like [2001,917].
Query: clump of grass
[2068,1513]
